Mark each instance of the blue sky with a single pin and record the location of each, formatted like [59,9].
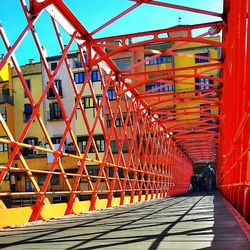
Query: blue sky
[93,13]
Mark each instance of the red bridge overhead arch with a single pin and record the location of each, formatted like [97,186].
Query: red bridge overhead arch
[165,101]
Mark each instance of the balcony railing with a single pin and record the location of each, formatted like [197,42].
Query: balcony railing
[6,99]
[77,64]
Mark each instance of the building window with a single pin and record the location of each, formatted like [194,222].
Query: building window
[125,146]
[111,94]
[77,63]
[93,171]
[58,85]
[201,60]
[5,91]
[41,179]
[53,66]
[99,142]
[108,121]
[88,101]
[118,121]
[54,180]
[55,112]
[8,176]
[3,146]
[33,141]
[28,83]
[27,111]
[114,146]
[57,140]
[205,84]
[203,108]
[29,185]
[5,96]
[3,113]
[130,119]
[122,63]
[98,99]
[79,77]
[158,60]
[82,143]
[159,87]
[95,76]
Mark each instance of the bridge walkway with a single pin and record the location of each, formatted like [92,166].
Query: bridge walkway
[195,221]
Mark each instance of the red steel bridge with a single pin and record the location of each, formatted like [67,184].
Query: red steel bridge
[166,133]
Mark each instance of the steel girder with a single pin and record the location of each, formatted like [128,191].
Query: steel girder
[165,133]
[233,175]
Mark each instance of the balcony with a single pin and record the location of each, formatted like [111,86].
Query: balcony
[54,115]
[32,153]
[6,99]
[77,64]
[58,86]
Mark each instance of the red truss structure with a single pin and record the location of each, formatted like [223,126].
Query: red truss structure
[165,133]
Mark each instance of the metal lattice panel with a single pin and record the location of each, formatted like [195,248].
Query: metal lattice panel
[137,117]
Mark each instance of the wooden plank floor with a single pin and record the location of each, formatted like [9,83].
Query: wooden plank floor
[185,222]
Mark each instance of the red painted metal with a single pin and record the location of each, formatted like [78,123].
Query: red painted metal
[178,7]
[233,165]
[164,133]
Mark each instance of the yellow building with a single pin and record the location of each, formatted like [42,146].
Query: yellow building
[6,110]
[198,80]
[32,73]
[54,123]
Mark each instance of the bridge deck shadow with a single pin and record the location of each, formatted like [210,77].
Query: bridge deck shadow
[192,221]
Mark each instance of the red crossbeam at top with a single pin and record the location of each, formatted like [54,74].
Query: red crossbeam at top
[179,7]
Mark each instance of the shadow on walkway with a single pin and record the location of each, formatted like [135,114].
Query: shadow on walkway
[193,221]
